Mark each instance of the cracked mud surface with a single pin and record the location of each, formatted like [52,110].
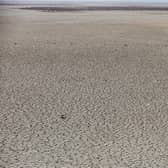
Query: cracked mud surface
[87,90]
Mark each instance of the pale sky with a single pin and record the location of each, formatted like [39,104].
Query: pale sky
[87,0]
[52,1]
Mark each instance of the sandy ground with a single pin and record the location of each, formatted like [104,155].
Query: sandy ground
[83,89]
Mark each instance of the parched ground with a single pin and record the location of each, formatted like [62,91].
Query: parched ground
[83,89]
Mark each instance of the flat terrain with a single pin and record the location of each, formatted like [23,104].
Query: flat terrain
[83,89]
[96,8]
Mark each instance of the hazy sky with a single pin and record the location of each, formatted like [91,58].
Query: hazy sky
[87,0]
[52,1]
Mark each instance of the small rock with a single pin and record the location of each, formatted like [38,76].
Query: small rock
[63,117]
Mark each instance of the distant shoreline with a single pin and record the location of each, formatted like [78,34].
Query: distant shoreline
[95,8]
